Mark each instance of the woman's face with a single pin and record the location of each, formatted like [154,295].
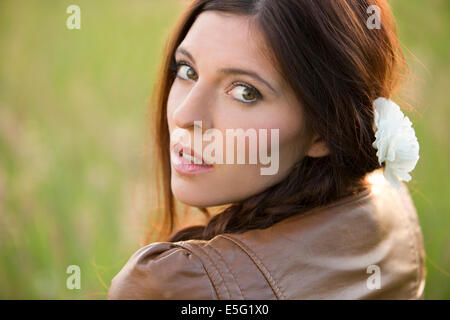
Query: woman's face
[223,100]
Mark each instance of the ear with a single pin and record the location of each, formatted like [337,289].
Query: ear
[318,148]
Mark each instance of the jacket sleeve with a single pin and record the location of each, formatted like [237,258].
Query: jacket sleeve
[162,270]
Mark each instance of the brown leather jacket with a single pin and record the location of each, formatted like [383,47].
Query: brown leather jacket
[366,246]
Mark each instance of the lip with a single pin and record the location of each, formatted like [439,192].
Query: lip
[184,166]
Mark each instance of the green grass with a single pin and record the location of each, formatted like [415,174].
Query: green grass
[72,132]
[423,30]
[73,107]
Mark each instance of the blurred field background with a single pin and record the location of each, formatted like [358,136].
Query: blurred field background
[73,125]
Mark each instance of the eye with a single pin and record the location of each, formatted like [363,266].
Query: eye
[240,91]
[185,71]
[244,92]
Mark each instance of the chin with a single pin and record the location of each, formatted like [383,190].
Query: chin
[196,192]
[188,194]
[190,200]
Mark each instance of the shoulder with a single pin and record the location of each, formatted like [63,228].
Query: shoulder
[162,270]
[332,252]
[366,246]
[193,269]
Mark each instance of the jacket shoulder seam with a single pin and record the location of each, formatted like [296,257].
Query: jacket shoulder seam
[207,269]
[260,265]
[229,269]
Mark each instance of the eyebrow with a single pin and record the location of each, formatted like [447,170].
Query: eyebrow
[232,71]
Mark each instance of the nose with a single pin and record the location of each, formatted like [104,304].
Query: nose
[196,106]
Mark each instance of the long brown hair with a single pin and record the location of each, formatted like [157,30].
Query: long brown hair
[336,66]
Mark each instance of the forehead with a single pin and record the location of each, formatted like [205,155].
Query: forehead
[228,40]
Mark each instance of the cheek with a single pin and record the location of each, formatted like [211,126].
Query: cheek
[285,118]
[289,120]
[171,105]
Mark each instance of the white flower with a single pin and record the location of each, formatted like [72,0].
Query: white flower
[395,141]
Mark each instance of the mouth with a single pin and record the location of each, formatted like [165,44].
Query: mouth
[186,161]
[189,155]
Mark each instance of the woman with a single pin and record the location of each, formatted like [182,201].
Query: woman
[326,223]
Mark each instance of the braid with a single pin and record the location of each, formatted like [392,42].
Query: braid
[300,191]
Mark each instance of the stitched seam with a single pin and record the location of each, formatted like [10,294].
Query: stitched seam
[218,269]
[204,268]
[415,252]
[413,248]
[273,285]
[229,269]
